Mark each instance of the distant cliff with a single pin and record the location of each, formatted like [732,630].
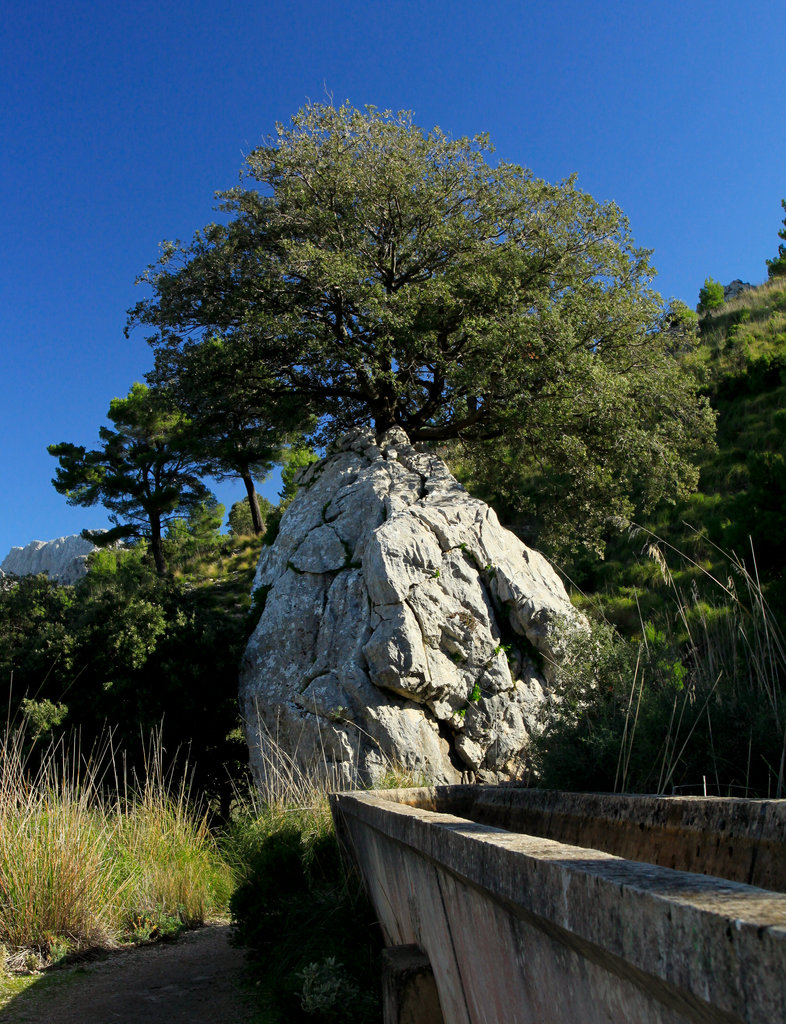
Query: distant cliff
[63,559]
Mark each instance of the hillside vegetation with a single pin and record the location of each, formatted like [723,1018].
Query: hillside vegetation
[738,510]
[689,605]
[677,687]
[127,652]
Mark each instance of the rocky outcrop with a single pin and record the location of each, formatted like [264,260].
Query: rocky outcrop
[63,560]
[400,625]
[735,288]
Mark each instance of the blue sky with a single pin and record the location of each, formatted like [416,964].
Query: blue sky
[119,121]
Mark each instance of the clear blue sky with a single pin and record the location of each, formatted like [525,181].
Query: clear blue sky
[119,121]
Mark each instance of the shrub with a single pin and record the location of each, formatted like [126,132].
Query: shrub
[305,920]
[696,700]
[240,520]
[299,910]
[777,267]
[710,296]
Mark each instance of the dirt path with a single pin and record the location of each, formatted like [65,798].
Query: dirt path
[196,980]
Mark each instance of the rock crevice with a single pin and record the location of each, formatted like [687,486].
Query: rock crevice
[401,624]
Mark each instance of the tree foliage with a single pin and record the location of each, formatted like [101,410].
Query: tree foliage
[386,276]
[607,450]
[146,473]
[129,651]
[710,296]
[234,431]
[241,521]
[777,267]
[197,536]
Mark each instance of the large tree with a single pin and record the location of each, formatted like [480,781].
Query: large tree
[146,472]
[384,275]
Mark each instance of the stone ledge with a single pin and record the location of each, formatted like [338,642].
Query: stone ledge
[563,932]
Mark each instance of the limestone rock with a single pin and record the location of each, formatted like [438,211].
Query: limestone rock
[401,624]
[63,560]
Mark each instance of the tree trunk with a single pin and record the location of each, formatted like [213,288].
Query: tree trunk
[384,415]
[156,546]
[256,515]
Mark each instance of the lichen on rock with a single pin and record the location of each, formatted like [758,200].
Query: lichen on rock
[402,626]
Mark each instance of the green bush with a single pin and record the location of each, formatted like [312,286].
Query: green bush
[307,923]
[697,696]
[777,267]
[129,649]
[240,520]
[710,296]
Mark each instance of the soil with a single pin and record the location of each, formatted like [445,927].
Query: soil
[200,979]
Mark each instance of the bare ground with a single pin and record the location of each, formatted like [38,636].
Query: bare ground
[200,979]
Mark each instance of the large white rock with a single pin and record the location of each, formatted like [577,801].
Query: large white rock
[63,560]
[402,625]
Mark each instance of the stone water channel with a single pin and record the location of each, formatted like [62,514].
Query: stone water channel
[503,905]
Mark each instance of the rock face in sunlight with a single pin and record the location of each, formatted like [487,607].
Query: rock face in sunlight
[63,560]
[401,625]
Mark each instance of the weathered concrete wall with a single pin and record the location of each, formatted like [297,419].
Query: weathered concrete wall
[742,840]
[525,928]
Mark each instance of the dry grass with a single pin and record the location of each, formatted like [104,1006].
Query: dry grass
[289,788]
[80,867]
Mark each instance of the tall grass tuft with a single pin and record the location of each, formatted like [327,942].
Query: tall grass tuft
[87,859]
[166,854]
[694,705]
[56,875]
[736,656]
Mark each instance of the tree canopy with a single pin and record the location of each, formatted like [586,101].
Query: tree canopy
[146,473]
[378,274]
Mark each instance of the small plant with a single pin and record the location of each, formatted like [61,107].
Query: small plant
[141,929]
[466,618]
[57,947]
[327,989]
[475,695]
[42,715]
[507,650]
[157,924]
